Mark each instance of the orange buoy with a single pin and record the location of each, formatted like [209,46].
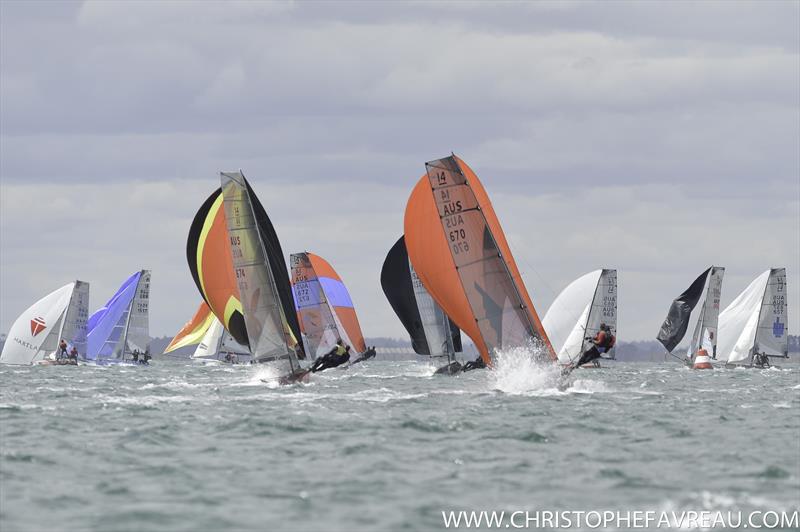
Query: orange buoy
[702,360]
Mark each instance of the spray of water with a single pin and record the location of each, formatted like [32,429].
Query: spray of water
[522,370]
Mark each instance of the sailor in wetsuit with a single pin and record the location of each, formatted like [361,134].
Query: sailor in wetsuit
[478,363]
[366,355]
[337,356]
[602,342]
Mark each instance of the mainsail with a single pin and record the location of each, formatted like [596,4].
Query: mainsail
[208,253]
[269,336]
[38,331]
[705,331]
[459,251]
[578,311]
[431,331]
[193,331]
[756,321]
[324,307]
[677,321]
[121,325]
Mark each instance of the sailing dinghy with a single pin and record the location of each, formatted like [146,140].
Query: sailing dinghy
[325,309]
[755,326]
[119,331]
[575,316]
[431,331]
[35,336]
[262,280]
[459,252]
[703,347]
[212,340]
[193,330]
[211,263]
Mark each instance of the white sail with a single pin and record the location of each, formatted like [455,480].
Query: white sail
[603,309]
[138,332]
[263,312]
[772,336]
[568,315]
[434,321]
[74,328]
[738,323]
[36,333]
[705,331]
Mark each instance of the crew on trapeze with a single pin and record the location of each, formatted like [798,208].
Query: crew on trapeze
[366,355]
[602,342]
[337,356]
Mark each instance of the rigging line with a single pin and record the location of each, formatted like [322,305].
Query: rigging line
[529,265]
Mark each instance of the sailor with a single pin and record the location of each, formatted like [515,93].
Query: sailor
[147,356]
[366,355]
[338,355]
[478,363]
[62,349]
[73,354]
[136,356]
[602,342]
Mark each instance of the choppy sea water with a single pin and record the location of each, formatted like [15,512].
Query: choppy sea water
[387,445]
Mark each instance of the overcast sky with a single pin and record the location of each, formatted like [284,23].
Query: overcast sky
[655,138]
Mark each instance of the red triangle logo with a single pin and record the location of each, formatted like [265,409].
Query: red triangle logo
[37,326]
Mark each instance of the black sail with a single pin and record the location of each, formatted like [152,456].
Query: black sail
[677,322]
[398,287]
[278,266]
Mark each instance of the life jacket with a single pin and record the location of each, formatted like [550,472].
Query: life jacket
[605,339]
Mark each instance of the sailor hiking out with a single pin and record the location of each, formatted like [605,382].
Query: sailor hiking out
[602,342]
[337,356]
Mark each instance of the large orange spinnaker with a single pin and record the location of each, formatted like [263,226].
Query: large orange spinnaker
[192,333]
[460,253]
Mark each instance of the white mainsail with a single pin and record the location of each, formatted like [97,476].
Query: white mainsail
[37,332]
[262,309]
[578,311]
[756,321]
[138,333]
[705,331]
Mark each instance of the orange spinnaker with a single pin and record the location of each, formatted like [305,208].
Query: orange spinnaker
[430,253]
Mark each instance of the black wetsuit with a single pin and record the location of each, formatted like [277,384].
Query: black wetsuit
[366,355]
[330,360]
[478,363]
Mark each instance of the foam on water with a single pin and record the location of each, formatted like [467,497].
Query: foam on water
[516,371]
